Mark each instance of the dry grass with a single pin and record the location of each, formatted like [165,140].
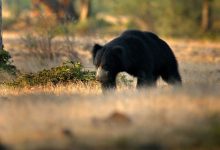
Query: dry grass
[79,116]
[63,117]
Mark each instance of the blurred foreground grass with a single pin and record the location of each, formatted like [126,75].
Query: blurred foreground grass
[80,117]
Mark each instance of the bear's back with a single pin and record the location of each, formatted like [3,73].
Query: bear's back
[158,48]
[152,43]
[140,34]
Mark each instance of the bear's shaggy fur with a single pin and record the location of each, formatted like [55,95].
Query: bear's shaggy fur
[141,54]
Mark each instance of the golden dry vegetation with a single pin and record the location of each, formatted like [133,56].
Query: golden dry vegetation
[79,116]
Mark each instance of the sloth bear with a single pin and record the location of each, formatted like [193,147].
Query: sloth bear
[141,54]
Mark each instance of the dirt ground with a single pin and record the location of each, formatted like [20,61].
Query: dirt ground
[65,117]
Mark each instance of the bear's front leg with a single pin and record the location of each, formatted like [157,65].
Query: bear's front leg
[107,86]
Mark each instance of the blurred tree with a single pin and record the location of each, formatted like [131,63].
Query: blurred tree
[206,21]
[85,9]
[62,9]
[5,63]
[17,7]
[178,18]
[1,44]
[167,17]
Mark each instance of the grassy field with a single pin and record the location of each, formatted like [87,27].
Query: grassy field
[79,116]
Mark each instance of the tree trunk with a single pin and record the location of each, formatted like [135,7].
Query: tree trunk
[206,22]
[67,10]
[85,6]
[1,43]
[63,10]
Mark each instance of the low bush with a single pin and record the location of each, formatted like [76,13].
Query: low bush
[69,72]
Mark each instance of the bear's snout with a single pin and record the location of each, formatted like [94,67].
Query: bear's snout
[101,74]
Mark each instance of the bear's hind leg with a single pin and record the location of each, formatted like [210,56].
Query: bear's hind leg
[145,80]
[172,78]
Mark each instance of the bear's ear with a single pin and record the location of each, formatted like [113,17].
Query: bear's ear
[95,49]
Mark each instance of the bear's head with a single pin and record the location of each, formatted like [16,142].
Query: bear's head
[107,60]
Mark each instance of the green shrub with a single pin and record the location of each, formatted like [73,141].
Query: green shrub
[70,72]
[6,64]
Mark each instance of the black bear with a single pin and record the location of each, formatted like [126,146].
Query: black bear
[141,54]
